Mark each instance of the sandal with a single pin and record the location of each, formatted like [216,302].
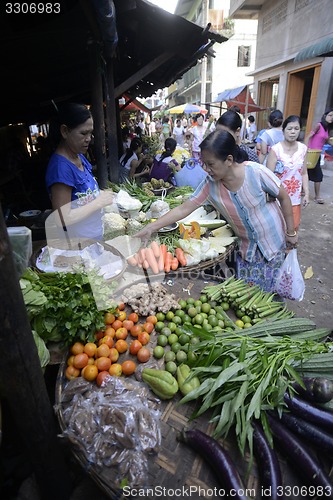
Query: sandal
[320,201]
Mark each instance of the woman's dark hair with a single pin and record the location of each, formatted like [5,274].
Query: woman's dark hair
[251,118]
[222,144]
[72,115]
[135,144]
[230,119]
[276,118]
[170,145]
[198,115]
[327,126]
[290,119]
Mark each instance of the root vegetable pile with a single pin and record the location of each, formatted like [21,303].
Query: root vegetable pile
[145,301]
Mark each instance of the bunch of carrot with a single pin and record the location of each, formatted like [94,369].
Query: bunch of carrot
[157,257]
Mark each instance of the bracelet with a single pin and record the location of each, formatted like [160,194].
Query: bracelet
[291,235]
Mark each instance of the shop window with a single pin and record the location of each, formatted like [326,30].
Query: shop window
[244,56]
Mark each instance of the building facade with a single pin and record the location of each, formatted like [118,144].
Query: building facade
[294,64]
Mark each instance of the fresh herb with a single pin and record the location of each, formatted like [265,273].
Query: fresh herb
[62,307]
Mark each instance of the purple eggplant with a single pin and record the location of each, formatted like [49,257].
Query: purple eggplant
[268,463]
[308,411]
[213,453]
[317,389]
[308,432]
[303,462]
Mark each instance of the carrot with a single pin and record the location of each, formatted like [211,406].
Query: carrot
[151,259]
[141,255]
[181,256]
[163,250]
[161,262]
[167,262]
[174,264]
[132,260]
[155,248]
[145,264]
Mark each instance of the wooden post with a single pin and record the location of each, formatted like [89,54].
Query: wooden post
[111,117]
[22,383]
[97,110]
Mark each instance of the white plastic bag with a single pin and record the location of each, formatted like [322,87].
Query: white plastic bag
[290,283]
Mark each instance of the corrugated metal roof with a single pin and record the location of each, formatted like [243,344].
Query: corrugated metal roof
[324,48]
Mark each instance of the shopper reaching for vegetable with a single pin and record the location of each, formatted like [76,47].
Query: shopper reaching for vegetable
[73,190]
[246,194]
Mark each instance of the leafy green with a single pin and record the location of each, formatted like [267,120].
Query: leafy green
[43,352]
[65,307]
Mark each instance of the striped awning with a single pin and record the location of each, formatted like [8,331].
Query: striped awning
[319,49]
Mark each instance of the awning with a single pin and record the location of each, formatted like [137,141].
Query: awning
[237,97]
[324,48]
[132,105]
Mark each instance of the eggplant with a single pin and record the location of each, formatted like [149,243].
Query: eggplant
[268,463]
[303,462]
[309,412]
[213,453]
[317,389]
[309,432]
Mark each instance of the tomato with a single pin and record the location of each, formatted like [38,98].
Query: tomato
[102,377]
[89,372]
[90,349]
[121,306]
[103,363]
[152,319]
[121,315]
[70,360]
[127,323]
[77,348]
[115,370]
[108,340]
[99,334]
[117,324]
[114,355]
[128,367]
[109,318]
[143,354]
[80,360]
[121,333]
[103,350]
[72,372]
[133,317]
[135,330]
[121,345]
[135,346]
[110,331]
[148,327]
[144,338]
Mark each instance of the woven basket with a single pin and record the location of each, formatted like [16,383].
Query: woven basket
[312,157]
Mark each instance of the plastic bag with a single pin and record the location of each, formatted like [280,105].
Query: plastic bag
[290,283]
[192,174]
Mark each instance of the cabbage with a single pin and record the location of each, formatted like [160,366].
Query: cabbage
[43,352]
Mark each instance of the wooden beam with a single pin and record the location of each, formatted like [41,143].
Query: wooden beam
[144,71]
[22,384]
[112,117]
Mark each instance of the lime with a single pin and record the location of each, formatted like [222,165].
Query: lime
[182,303]
[239,313]
[205,308]
[169,315]
[198,303]
[191,357]
[184,339]
[181,357]
[186,319]
[192,312]
[172,326]
[225,306]
[219,316]
[159,325]
[162,340]
[246,319]
[205,321]
[178,331]
[171,367]
[203,298]
[239,323]
[160,316]
[178,320]
[173,338]
[180,313]
[213,321]
[176,347]
[169,356]
[212,312]
[207,327]
[204,315]
[158,352]
[190,300]
[247,325]
[220,323]
[166,331]
[185,347]
[194,340]
[198,319]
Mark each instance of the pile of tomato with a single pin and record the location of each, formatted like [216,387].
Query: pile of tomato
[95,361]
